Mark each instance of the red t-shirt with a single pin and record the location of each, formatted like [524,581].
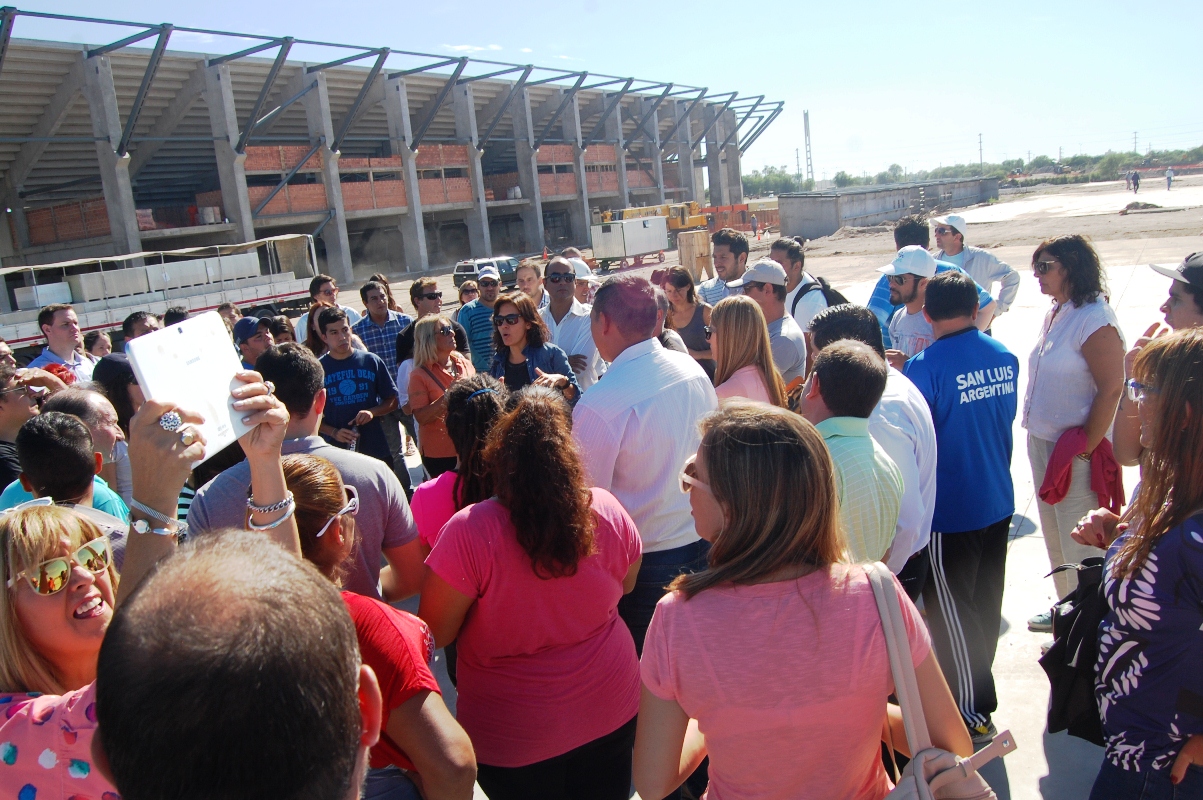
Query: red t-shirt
[544,665]
[398,647]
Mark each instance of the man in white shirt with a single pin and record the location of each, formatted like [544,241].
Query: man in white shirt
[530,283]
[323,289]
[801,303]
[567,320]
[636,427]
[902,424]
[60,326]
[764,282]
[982,265]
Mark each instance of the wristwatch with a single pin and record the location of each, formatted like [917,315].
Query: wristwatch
[169,529]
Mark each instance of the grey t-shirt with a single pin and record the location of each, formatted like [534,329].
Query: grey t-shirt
[789,348]
[384,520]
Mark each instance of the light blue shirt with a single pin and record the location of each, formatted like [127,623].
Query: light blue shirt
[81,366]
[103,498]
[883,309]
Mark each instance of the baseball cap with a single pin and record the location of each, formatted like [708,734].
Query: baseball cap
[581,269]
[1189,271]
[955,221]
[488,271]
[247,327]
[765,270]
[911,260]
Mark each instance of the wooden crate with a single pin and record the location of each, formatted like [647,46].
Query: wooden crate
[693,251]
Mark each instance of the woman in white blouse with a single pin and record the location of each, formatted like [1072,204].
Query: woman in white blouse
[1075,379]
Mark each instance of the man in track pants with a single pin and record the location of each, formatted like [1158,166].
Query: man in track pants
[969,382]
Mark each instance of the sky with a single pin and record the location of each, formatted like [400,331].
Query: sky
[885,82]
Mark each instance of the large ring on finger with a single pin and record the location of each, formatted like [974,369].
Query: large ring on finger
[171,421]
[271,387]
[187,437]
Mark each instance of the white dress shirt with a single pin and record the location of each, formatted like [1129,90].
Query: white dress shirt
[901,423]
[574,335]
[636,427]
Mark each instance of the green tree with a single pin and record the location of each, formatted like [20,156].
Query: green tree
[843,179]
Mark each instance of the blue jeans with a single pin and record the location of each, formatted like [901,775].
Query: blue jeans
[389,783]
[655,574]
[1116,783]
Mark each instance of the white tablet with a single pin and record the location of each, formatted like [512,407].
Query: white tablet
[192,364]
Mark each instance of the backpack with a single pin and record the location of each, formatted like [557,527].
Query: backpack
[1069,663]
[833,297]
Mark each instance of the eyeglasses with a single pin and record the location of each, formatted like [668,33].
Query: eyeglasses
[1042,267]
[708,331]
[561,277]
[942,231]
[352,508]
[689,477]
[31,392]
[508,319]
[897,280]
[431,296]
[329,291]
[487,284]
[447,330]
[467,292]
[1139,392]
[53,575]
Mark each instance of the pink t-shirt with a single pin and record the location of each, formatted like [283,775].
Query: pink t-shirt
[745,382]
[46,746]
[545,666]
[433,505]
[788,682]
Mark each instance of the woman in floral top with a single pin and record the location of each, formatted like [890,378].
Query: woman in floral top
[1149,675]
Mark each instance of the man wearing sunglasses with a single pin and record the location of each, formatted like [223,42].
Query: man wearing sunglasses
[323,289]
[567,320]
[477,317]
[981,265]
[765,282]
[18,404]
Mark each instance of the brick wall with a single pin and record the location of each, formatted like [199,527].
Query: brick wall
[68,222]
[557,154]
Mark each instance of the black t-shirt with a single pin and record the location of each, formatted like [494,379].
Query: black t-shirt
[10,467]
[405,341]
[516,375]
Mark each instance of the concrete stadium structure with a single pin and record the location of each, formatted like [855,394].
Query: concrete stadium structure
[417,159]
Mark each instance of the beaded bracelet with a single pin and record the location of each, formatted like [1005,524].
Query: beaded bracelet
[290,507]
[250,503]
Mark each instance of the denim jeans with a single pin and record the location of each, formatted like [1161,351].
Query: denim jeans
[657,572]
[389,783]
[1116,783]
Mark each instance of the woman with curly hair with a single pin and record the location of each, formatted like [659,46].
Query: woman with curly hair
[528,583]
[1148,677]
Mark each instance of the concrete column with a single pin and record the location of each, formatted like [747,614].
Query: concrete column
[114,169]
[223,119]
[20,223]
[400,132]
[682,139]
[464,105]
[528,170]
[652,126]
[614,136]
[578,215]
[735,184]
[714,164]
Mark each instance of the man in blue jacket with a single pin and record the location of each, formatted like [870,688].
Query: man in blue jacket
[969,381]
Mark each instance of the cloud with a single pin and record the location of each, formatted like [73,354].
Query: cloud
[495,47]
[464,48]
[527,50]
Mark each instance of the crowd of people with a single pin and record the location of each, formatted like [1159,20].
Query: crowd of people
[641,536]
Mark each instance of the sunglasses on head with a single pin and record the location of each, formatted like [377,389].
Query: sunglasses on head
[53,575]
[352,508]
[507,319]
[432,296]
[1042,267]
[561,277]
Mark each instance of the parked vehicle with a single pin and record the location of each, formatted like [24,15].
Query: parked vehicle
[467,270]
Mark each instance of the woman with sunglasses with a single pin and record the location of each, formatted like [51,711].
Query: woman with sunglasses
[468,291]
[1075,379]
[743,358]
[60,590]
[689,317]
[528,583]
[523,353]
[1151,641]
[437,365]
[420,742]
[798,625]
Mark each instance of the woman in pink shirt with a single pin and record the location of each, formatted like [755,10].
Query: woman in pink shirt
[739,338]
[528,584]
[772,661]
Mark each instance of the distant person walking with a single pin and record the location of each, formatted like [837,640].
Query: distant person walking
[755,228]
[1169,178]
[1127,181]
[1135,182]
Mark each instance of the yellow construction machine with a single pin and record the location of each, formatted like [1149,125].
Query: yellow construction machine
[681,216]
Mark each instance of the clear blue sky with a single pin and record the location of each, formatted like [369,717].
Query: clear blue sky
[885,82]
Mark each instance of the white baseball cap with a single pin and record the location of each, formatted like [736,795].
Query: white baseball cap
[488,271]
[766,270]
[911,260]
[954,221]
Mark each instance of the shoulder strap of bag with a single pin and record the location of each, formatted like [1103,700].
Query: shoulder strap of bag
[807,289]
[906,685]
[434,378]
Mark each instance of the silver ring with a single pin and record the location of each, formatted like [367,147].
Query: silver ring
[271,387]
[170,421]
[187,437]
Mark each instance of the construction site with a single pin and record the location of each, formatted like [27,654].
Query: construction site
[394,161]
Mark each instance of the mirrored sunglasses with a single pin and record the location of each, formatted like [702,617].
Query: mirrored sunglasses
[53,575]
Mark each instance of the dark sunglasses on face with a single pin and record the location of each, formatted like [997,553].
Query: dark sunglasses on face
[432,296]
[487,284]
[508,319]
[1042,267]
[447,330]
[897,280]
[942,231]
[561,277]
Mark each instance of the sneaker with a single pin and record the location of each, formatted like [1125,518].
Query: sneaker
[1046,646]
[1042,622]
[983,734]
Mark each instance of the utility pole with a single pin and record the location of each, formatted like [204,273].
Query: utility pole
[810,166]
[1029,161]
[1134,149]
[981,162]
[1058,154]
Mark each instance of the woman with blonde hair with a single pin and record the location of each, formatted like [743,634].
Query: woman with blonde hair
[744,368]
[798,625]
[437,365]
